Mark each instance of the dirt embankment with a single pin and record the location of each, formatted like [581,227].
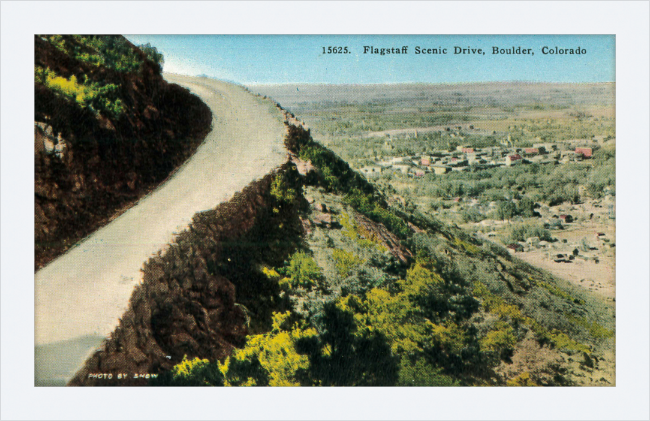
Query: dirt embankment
[89,166]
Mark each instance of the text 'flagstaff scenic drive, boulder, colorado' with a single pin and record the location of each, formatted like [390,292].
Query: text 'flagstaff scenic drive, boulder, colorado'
[456,50]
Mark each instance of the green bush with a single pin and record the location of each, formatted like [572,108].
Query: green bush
[422,373]
[281,189]
[595,330]
[99,98]
[301,271]
[153,54]
[520,232]
[345,262]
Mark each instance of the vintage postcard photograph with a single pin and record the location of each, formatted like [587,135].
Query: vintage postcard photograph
[311,210]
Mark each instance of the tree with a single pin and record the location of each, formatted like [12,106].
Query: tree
[526,207]
[506,210]
[153,54]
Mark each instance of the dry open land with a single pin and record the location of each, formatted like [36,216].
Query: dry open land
[591,237]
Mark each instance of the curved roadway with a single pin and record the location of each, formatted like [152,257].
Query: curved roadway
[80,296]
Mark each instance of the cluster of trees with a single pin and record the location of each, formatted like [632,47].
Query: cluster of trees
[602,177]
[520,232]
[111,51]
[582,126]
[153,54]
[357,119]
[548,184]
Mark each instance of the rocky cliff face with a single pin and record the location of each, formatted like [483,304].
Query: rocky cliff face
[90,162]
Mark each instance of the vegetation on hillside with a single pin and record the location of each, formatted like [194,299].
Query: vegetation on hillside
[96,97]
[108,128]
[112,52]
[96,52]
[455,314]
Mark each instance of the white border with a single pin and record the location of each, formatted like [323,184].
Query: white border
[628,20]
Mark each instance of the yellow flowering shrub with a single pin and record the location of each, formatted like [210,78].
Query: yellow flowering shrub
[276,353]
[522,380]
[345,261]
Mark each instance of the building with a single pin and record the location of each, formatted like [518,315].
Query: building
[566,218]
[531,151]
[467,150]
[584,152]
[404,168]
[462,169]
[440,169]
[425,160]
[513,160]
[545,147]
[515,247]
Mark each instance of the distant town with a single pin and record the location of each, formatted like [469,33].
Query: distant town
[465,157]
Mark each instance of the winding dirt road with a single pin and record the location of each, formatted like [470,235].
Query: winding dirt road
[81,295]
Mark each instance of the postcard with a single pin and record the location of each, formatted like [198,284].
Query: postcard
[325,210]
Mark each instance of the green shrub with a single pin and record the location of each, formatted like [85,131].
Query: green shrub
[559,293]
[345,262]
[153,54]
[520,232]
[302,271]
[422,373]
[269,359]
[359,235]
[500,340]
[369,206]
[595,330]
[472,215]
[281,189]
[112,51]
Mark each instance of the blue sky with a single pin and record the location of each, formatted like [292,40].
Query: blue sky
[255,59]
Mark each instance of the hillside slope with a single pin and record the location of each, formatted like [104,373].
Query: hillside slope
[108,129]
[309,277]
[85,291]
